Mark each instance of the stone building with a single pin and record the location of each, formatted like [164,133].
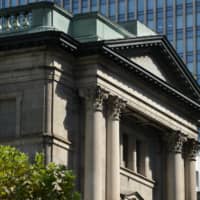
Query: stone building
[118,107]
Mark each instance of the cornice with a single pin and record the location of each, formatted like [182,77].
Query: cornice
[166,48]
[151,78]
[102,47]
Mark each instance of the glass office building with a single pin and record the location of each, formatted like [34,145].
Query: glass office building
[178,19]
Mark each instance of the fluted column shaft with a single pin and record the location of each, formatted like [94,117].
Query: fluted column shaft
[190,169]
[95,133]
[113,149]
[175,167]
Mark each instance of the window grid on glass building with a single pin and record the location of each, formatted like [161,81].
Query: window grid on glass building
[179,20]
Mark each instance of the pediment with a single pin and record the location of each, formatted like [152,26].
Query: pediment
[156,56]
[131,196]
[149,63]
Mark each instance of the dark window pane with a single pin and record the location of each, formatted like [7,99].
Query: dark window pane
[94,5]
[140,5]
[179,22]
[75,6]
[13,3]
[112,10]
[150,4]
[179,46]
[130,9]
[169,2]
[189,44]
[103,7]
[66,4]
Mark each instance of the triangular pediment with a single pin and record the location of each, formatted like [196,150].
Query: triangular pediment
[158,59]
[131,196]
[149,63]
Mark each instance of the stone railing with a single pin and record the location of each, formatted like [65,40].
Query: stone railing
[15,22]
[15,19]
[33,17]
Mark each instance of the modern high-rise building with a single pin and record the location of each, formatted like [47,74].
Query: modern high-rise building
[178,19]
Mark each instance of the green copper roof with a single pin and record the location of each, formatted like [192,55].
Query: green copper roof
[137,28]
[42,16]
[94,26]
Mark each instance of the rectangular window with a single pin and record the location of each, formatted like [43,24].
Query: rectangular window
[169,3]
[94,5]
[103,6]
[150,5]
[159,17]
[140,5]
[112,10]
[84,6]
[159,3]
[138,156]
[5,4]
[7,117]
[66,4]
[121,16]
[198,19]
[170,35]
[179,22]
[179,46]
[125,150]
[75,6]
[189,44]
[131,9]
[179,10]
[141,16]
[189,61]
[13,3]
[189,20]
[179,1]
[22,2]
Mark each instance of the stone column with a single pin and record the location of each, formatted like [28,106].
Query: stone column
[175,167]
[190,169]
[95,145]
[113,149]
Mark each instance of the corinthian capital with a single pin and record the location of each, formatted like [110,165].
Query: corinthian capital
[192,147]
[175,141]
[94,96]
[115,106]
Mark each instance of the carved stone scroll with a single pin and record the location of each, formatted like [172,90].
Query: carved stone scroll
[94,96]
[115,105]
[192,147]
[175,141]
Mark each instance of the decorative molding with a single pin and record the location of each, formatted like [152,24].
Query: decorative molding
[115,105]
[175,141]
[192,148]
[94,96]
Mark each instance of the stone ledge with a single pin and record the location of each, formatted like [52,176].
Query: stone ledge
[137,177]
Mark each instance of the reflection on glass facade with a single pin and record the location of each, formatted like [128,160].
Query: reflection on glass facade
[179,20]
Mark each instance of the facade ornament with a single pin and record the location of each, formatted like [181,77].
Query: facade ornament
[175,141]
[94,96]
[192,147]
[115,105]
